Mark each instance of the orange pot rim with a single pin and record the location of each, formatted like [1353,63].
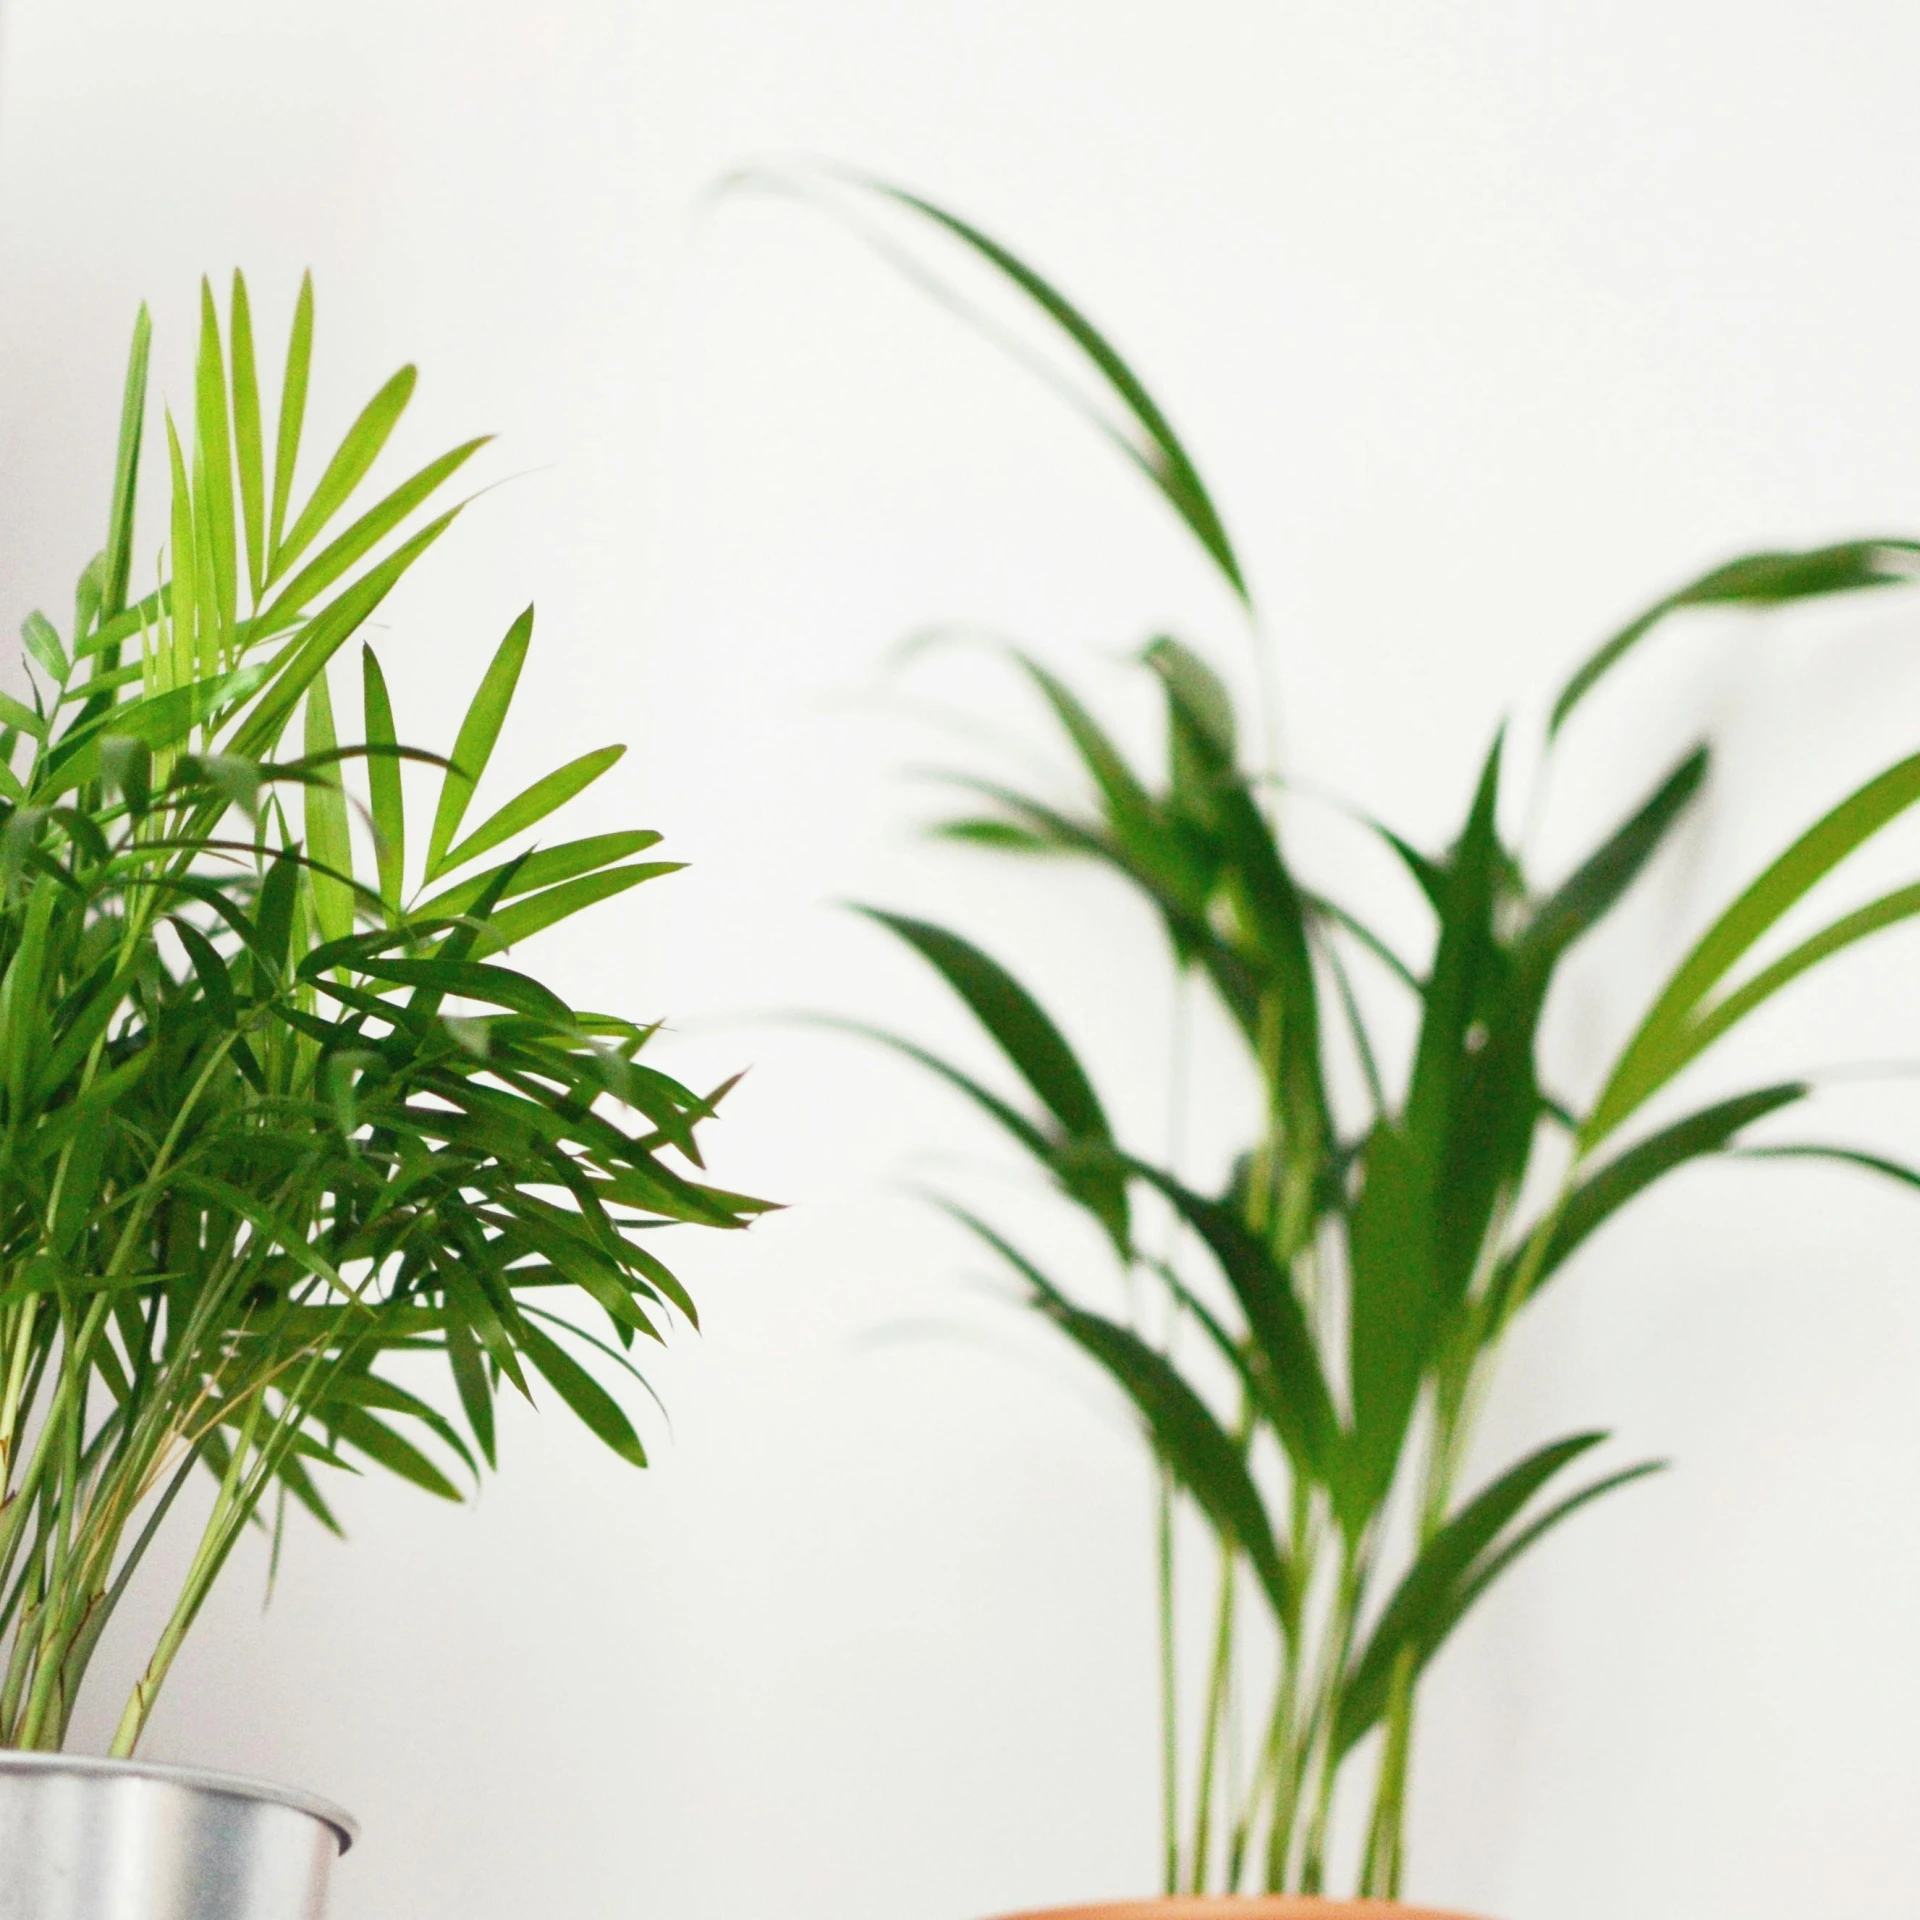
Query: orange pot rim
[1239,1907]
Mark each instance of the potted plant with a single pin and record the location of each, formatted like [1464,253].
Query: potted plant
[281,1129]
[1312,1336]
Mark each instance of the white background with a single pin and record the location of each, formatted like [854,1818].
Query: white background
[1488,322]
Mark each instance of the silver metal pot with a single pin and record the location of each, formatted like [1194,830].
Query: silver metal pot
[84,1839]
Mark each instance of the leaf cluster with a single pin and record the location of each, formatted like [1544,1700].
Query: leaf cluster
[279,1127]
[1362,1268]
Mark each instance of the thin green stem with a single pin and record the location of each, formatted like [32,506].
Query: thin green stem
[1386,1830]
[84,1644]
[1316,1755]
[21,1350]
[232,1510]
[207,1561]
[1213,1725]
[1169,1689]
[1285,1761]
[1273,1789]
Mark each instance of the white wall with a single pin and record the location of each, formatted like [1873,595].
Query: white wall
[1488,321]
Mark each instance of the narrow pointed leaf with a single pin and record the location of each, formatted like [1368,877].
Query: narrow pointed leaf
[529,808]
[1197,1450]
[328,845]
[1754,580]
[1492,1565]
[493,986]
[1002,836]
[1299,1400]
[248,446]
[1017,1023]
[1888,1169]
[213,460]
[126,471]
[1198,692]
[1421,1609]
[293,413]
[380,1443]
[1604,1192]
[545,868]
[362,536]
[1590,892]
[348,467]
[470,1381]
[43,642]
[1663,1042]
[191,596]
[595,1407]
[1395,1317]
[509,926]
[1126,800]
[383,783]
[1152,442]
[293,668]
[1876,916]
[1453,988]
[474,745]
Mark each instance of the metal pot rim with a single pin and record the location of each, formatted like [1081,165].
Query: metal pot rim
[199,1779]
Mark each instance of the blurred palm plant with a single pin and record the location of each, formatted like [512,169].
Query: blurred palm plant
[1365,1268]
[278,1125]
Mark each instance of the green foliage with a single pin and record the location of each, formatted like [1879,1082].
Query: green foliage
[274,1132]
[1365,1269]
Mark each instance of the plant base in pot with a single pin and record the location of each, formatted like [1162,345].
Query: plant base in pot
[85,1839]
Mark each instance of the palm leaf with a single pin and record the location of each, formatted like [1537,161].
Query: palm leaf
[1018,1025]
[1672,1032]
[1146,437]
[1420,1611]
[1754,580]
[473,747]
[293,413]
[1198,1451]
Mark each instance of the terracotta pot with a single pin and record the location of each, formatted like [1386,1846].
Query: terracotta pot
[1242,1907]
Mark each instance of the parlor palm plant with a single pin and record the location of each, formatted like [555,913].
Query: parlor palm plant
[278,1130]
[1340,1301]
